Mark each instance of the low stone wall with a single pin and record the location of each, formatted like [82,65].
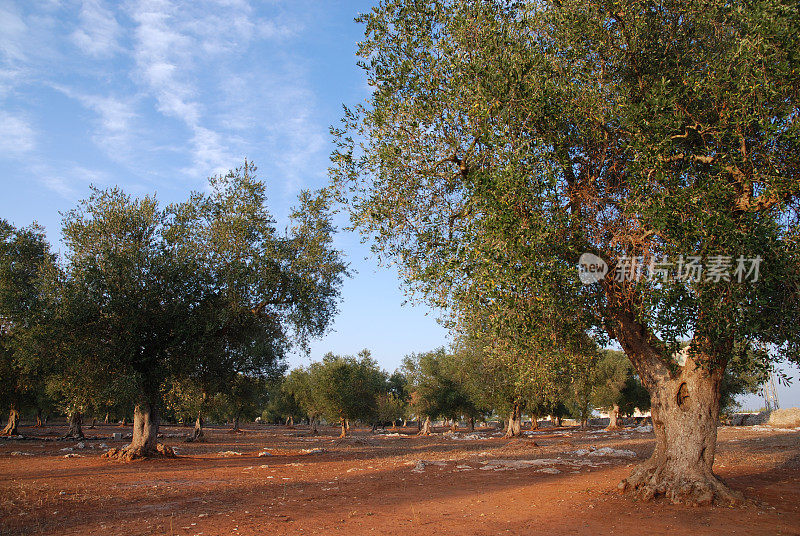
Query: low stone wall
[785,418]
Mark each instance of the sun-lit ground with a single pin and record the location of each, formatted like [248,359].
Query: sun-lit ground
[552,482]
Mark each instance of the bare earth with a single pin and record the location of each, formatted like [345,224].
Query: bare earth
[557,482]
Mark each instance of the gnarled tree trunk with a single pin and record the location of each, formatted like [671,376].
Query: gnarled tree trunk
[534,422]
[426,427]
[613,418]
[144,442]
[685,411]
[514,422]
[197,434]
[75,426]
[13,423]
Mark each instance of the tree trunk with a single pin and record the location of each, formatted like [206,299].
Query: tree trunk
[472,424]
[425,428]
[13,423]
[534,422]
[290,421]
[106,419]
[144,443]
[685,412]
[347,423]
[514,422]
[197,434]
[454,425]
[94,422]
[613,418]
[235,424]
[343,422]
[75,423]
[38,418]
[314,430]
[419,424]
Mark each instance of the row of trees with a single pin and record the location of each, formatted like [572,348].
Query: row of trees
[454,386]
[195,300]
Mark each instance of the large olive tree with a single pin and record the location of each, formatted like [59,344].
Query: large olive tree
[503,140]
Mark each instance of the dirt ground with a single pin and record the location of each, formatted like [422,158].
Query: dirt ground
[557,481]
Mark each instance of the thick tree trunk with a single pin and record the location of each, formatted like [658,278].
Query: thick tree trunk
[75,423]
[426,427]
[13,423]
[314,430]
[290,421]
[235,424]
[613,418]
[534,422]
[454,425]
[472,424]
[343,423]
[144,443]
[514,422]
[38,418]
[685,412]
[197,434]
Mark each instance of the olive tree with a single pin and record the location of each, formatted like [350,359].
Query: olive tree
[504,140]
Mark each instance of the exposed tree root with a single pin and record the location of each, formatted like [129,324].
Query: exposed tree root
[128,454]
[648,482]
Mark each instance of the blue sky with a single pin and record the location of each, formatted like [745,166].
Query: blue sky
[155,96]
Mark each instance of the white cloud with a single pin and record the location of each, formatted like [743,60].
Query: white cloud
[176,45]
[99,32]
[13,31]
[115,130]
[17,137]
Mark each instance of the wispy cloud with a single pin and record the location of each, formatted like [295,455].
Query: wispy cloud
[17,137]
[99,32]
[12,33]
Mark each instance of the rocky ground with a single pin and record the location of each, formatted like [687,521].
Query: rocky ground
[276,480]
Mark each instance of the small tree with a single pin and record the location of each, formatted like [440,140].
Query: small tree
[345,388]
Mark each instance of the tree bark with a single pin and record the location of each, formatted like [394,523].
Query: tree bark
[290,421]
[534,422]
[314,430]
[38,418]
[454,425]
[197,434]
[514,422]
[343,422]
[144,443]
[685,412]
[613,418]
[235,424]
[75,426]
[426,427]
[13,423]
[472,424]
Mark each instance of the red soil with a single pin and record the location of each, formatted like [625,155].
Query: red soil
[368,484]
